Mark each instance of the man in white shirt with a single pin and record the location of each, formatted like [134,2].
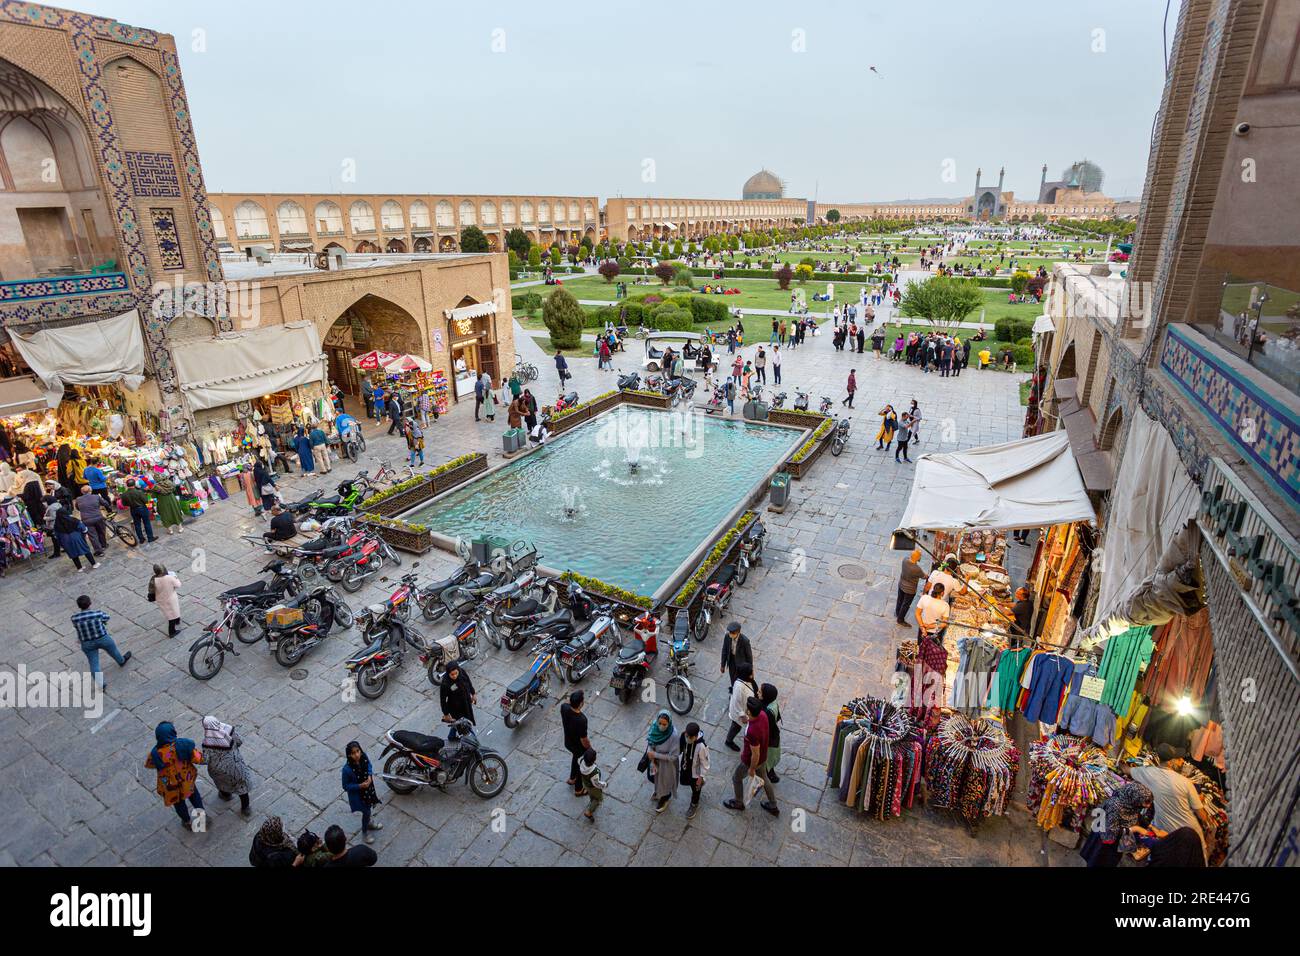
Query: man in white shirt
[1177,803]
[932,613]
[944,574]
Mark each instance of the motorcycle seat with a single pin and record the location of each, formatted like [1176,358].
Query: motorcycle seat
[631,650]
[315,544]
[331,500]
[521,611]
[420,743]
[481,581]
[562,616]
[520,686]
[437,587]
[724,575]
[755,530]
[245,590]
[333,552]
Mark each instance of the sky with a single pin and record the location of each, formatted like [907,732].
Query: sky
[674,99]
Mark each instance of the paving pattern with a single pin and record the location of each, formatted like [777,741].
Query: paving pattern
[818,612]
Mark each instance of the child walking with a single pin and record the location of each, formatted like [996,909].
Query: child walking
[589,773]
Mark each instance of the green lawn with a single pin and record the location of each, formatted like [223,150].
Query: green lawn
[755,294]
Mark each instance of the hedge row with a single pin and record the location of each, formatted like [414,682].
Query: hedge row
[707,273]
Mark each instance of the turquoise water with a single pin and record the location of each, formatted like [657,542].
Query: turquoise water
[579,501]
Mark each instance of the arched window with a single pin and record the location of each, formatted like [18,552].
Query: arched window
[543,211]
[526,212]
[218,223]
[362,217]
[467,214]
[587,213]
[559,210]
[488,213]
[250,221]
[419,214]
[444,215]
[291,218]
[1110,432]
[329,218]
[507,213]
[390,215]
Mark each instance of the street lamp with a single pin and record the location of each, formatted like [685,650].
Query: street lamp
[1258,306]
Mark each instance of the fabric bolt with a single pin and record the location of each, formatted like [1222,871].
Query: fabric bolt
[1051,674]
[1120,664]
[1083,716]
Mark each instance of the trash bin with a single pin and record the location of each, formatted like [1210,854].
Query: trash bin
[760,411]
[510,441]
[779,491]
[483,548]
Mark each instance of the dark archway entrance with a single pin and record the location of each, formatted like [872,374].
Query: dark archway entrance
[369,323]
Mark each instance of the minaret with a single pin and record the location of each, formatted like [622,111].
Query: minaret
[1042,183]
[997,200]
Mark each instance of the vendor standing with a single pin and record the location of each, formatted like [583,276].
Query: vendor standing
[320,449]
[98,481]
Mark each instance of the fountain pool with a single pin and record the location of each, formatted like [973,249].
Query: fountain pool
[626,498]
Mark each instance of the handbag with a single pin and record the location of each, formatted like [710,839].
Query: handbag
[153,594]
[643,764]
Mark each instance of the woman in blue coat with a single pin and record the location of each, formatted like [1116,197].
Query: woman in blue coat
[359,785]
[302,445]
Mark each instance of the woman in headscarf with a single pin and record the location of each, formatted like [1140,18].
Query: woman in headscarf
[1111,836]
[226,767]
[264,481]
[177,761]
[888,425]
[32,492]
[70,534]
[767,694]
[165,591]
[62,459]
[169,507]
[662,750]
[272,848]
[359,785]
[302,445]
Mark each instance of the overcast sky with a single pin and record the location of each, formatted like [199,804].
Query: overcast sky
[664,99]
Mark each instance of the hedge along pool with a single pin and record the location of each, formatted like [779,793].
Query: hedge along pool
[627,497]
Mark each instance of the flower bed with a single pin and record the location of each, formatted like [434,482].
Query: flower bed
[407,494]
[457,471]
[801,461]
[694,586]
[609,591]
[564,420]
[646,399]
[791,416]
[415,538]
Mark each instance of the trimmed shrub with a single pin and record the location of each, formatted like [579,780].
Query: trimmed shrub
[671,318]
[609,270]
[783,276]
[683,277]
[526,302]
[1024,357]
[710,311]
[564,319]
[1012,330]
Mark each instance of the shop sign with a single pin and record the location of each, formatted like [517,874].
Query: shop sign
[463,328]
[1091,688]
[437,340]
[1241,528]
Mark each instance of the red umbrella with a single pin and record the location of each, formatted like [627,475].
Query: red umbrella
[374,359]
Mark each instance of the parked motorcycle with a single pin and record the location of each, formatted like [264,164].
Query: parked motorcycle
[801,399]
[567,400]
[419,760]
[717,401]
[584,652]
[636,657]
[298,626]
[825,407]
[250,601]
[777,400]
[631,380]
[717,598]
[561,623]
[840,438]
[460,645]
[444,597]
[751,550]
[680,693]
[524,695]
[363,562]
[385,648]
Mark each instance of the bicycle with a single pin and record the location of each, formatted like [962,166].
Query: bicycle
[208,653]
[387,475]
[524,371]
[120,530]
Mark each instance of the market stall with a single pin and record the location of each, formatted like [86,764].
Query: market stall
[471,336]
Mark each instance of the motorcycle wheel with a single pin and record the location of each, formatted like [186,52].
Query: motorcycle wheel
[515,641]
[572,674]
[370,686]
[363,442]
[351,450]
[510,720]
[742,573]
[288,650]
[399,765]
[343,615]
[680,696]
[488,776]
[352,581]
[469,648]
[206,660]
[494,637]
[392,555]
[837,446]
[437,671]
[310,575]
[246,632]
[702,628]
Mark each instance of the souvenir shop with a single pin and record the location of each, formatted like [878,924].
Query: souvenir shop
[423,388]
[471,337]
[1084,710]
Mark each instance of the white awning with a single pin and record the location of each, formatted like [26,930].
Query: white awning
[474,311]
[104,352]
[236,368]
[1021,484]
[21,395]
[1043,324]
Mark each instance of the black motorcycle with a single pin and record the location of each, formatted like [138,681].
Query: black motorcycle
[841,437]
[562,623]
[299,625]
[751,550]
[385,640]
[420,760]
[439,599]
[250,601]
[631,380]
[584,652]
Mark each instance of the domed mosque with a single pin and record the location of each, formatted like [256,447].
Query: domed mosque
[764,184]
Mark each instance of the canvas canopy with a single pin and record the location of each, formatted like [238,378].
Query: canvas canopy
[374,359]
[20,395]
[105,352]
[407,363]
[477,310]
[236,368]
[1021,484]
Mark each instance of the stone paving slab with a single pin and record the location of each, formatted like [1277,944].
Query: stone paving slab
[79,794]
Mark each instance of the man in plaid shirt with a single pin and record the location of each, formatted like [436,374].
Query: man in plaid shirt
[93,636]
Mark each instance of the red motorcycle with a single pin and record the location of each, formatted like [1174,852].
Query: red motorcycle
[362,563]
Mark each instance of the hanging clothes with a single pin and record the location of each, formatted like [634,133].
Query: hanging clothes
[1083,716]
[1048,679]
[876,758]
[1125,655]
[1181,662]
[977,657]
[970,768]
[1006,679]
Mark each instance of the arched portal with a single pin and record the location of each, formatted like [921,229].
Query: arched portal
[424,244]
[366,246]
[395,245]
[447,244]
[471,337]
[369,323]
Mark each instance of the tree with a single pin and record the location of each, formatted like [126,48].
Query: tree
[1020,281]
[832,215]
[803,272]
[555,255]
[517,241]
[609,269]
[534,254]
[473,240]
[665,272]
[684,277]
[784,275]
[563,317]
[943,300]
[528,303]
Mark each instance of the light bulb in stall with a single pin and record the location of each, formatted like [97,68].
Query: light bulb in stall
[1184,706]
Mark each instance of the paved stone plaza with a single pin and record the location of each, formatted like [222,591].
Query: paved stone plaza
[819,612]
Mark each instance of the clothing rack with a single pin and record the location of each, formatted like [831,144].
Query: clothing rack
[970,768]
[876,757]
[1068,776]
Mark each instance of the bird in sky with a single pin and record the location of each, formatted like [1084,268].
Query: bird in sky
[874,70]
